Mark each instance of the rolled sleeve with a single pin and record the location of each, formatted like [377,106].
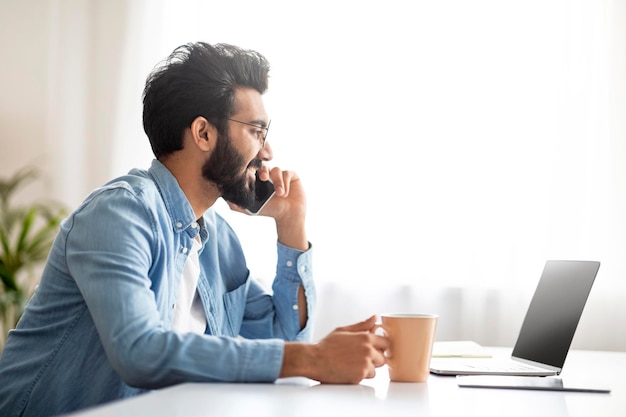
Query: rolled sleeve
[294,268]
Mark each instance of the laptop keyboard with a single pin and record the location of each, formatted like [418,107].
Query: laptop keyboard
[504,366]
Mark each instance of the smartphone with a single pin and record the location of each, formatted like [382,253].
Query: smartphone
[264,190]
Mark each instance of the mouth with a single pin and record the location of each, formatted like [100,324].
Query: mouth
[254,167]
[256,163]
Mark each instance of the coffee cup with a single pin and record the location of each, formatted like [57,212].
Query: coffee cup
[411,338]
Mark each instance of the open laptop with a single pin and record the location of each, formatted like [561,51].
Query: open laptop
[547,330]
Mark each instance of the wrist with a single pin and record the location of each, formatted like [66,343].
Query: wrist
[292,233]
[298,360]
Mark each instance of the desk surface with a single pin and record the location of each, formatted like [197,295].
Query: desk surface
[439,396]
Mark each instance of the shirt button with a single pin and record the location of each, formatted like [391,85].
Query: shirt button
[179,224]
[194,225]
[295,307]
[185,250]
[289,263]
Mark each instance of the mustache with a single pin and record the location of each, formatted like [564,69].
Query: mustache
[255,163]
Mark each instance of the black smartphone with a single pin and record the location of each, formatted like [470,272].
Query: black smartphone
[263,190]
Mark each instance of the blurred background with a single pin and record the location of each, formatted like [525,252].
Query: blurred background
[448,148]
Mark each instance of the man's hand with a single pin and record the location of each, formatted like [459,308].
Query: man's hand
[287,207]
[291,201]
[346,356]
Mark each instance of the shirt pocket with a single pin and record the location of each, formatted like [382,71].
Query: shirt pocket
[234,305]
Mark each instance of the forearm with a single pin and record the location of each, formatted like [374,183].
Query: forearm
[292,233]
[302,307]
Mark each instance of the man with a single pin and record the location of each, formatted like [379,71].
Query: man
[147,286]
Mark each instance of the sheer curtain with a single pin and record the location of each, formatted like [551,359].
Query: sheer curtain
[448,148]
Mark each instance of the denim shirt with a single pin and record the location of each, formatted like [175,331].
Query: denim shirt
[98,327]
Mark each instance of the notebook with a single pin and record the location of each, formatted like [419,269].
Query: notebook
[547,331]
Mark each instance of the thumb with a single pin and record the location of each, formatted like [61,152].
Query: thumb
[362,326]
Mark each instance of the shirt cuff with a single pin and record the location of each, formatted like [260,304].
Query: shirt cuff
[269,354]
[294,264]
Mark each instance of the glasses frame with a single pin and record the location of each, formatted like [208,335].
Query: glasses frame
[259,134]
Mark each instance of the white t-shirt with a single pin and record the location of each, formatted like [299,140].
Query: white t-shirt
[189,312]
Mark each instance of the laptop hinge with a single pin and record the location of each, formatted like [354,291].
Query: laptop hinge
[538,364]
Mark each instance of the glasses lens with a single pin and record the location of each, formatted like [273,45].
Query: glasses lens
[265,131]
[261,133]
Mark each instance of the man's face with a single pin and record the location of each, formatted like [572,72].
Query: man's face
[239,153]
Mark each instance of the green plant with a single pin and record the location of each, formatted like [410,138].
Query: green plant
[26,235]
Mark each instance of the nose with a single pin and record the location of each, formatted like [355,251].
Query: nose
[266,153]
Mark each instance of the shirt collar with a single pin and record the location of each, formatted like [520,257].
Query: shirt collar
[176,202]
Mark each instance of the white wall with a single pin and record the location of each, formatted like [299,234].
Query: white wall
[59,81]
[23,84]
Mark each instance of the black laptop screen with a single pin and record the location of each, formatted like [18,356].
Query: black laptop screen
[554,312]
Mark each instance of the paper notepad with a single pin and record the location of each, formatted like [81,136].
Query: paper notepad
[459,349]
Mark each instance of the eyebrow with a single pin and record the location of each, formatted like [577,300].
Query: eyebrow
[259,122]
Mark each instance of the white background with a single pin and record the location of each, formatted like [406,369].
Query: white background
[448,148]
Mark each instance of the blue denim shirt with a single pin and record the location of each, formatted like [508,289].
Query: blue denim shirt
[98,327]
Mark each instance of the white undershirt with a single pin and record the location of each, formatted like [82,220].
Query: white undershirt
[188,312]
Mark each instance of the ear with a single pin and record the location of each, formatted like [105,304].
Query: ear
[203,133]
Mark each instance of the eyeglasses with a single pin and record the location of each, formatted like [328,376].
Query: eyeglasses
[261,132]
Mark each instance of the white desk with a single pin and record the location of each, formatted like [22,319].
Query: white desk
[440,396]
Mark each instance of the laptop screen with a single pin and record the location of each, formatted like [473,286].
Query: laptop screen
[554,312]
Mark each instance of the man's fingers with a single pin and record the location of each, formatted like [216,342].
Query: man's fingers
[363,326]
[282,180]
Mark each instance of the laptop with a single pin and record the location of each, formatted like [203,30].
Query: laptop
[547,331]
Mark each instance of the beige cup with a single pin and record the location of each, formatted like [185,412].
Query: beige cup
[411,344]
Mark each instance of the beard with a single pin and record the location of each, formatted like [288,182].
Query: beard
[225,168]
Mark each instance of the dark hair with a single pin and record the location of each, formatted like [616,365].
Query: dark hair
[197,79]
